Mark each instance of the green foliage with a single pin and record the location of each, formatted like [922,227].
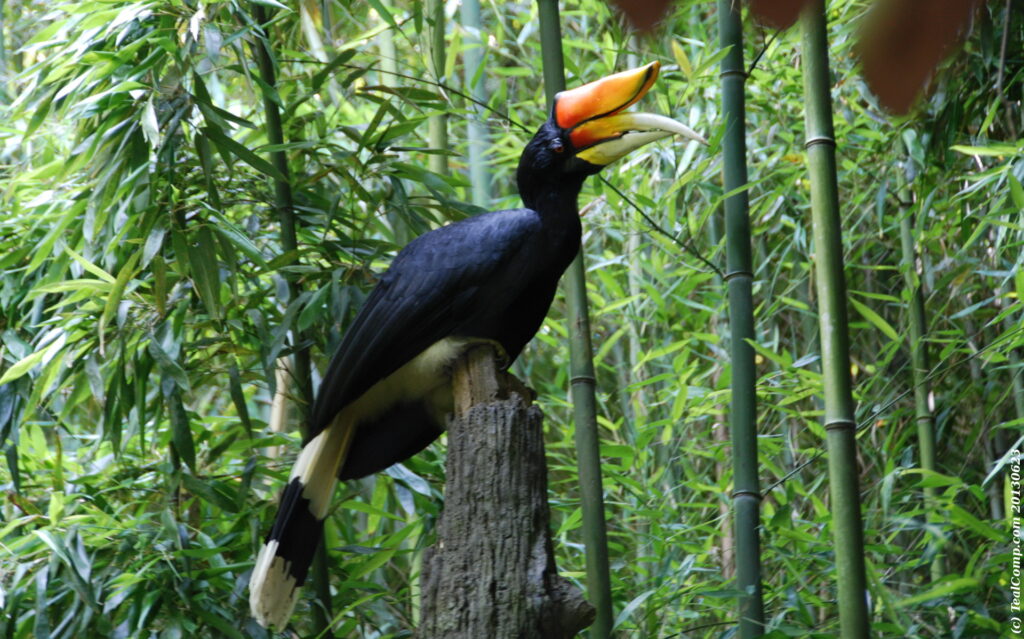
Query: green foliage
[144,306]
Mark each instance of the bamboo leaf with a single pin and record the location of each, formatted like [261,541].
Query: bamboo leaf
[238,398]
[205,270]
[932,479]
[383,12]
[154,242]
[89,266]
[681,59]
[206,162]
[29,362]
[230,146]
[237,238]
[363,507]
[961,517]
[89,286]
[181,430]
[212,491]
[167,365]
[876,320]
[214,115]
[41,625]
[273,4]
[1016,191]
[114,409]
[338,61]
[225,628]
[632,605]
[11,455]
[993,150]
[943,589]
[117,290]
[8,400]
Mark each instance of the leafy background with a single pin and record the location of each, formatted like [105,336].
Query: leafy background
[147,296]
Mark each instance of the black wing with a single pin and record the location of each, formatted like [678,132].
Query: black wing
[436,287]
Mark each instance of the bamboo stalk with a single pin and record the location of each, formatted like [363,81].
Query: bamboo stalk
[437,132]
[388,58]
[476,132]
[595,537]
[840,423]
[284,206]
[388,76]
[727,542]
[920,368]
[746,494]
[283,203]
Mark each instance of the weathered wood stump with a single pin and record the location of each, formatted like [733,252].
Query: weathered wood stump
[492,573]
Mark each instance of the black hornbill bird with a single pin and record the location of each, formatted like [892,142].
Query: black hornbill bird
[488,278]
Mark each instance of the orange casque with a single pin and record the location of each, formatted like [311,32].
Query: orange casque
[582,111]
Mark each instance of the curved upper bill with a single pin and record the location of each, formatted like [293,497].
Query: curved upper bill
[599,132]
[605,96]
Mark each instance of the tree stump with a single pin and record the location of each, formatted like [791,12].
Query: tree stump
[492,572]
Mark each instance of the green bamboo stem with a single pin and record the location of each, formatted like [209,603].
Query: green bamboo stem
[437,132]
[584,402]
[840,421]
[920,368]
[284,206]
[388,58]
[746,493]
[283,203]
[476,133]
[388,76]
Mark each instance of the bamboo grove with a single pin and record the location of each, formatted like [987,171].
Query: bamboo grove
[196,197]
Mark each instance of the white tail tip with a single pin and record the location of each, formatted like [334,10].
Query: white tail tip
[272,590]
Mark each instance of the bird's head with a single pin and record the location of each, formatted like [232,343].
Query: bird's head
[588,130]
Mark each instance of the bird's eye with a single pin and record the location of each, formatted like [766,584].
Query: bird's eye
[557,146]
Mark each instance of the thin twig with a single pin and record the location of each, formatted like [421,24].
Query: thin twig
[687,246]
[441,85]
[753,64]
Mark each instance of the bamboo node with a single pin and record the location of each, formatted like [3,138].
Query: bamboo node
[841,424]
[748,493]
[582,379]
[731,274]
[820,139]
[731,72]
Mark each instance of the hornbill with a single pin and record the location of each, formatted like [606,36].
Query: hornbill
[488,278]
